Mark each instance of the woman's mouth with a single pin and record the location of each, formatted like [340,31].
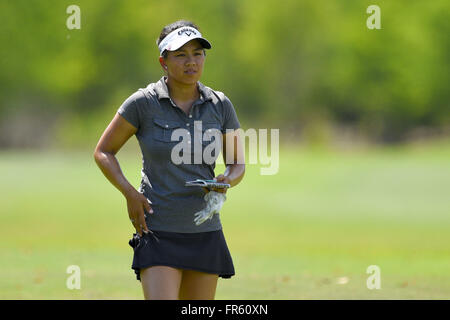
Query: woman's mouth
[190,71]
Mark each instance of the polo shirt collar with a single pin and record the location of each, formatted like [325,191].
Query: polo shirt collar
[162,90]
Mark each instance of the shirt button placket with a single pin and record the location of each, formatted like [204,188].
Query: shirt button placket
[191,111]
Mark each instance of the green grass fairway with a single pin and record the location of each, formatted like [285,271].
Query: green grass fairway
[309,232]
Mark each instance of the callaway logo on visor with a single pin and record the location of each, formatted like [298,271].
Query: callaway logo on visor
[188,32]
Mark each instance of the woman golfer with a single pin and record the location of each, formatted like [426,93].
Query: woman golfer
[181,126]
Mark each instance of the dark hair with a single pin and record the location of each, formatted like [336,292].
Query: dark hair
[173,26]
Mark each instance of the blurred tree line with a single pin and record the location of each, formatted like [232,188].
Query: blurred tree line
[284,64]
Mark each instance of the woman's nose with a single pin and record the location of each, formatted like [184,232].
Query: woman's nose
[190,60]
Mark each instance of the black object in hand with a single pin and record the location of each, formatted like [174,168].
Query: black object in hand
[134,242]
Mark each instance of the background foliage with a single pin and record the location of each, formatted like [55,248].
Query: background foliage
[290,64]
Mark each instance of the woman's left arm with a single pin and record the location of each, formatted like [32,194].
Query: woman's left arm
[234,159]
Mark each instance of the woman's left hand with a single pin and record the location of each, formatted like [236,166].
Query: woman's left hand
[222,179]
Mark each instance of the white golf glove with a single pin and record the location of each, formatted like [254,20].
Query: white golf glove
[214,202]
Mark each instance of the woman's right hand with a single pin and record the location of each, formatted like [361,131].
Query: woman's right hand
[136,204]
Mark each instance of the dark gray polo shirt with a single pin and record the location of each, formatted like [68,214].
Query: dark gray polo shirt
[156,117]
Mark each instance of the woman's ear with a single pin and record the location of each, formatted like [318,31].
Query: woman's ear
[163,63]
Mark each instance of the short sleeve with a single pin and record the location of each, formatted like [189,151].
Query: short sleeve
[130,110]
[230,119]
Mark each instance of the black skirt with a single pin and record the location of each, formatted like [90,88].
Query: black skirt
[204,251]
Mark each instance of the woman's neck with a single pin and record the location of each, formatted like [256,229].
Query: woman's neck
[182,92]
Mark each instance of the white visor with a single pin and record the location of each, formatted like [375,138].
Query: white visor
[177,38]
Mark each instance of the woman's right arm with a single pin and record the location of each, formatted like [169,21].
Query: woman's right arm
[116,134]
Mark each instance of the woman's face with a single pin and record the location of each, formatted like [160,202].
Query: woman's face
[185,65]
